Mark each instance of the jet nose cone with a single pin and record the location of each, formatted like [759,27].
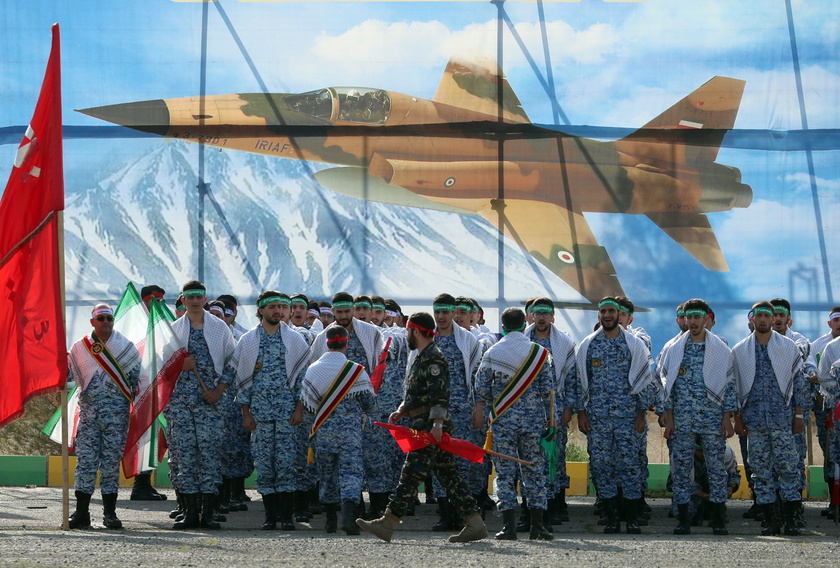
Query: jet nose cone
[145,116]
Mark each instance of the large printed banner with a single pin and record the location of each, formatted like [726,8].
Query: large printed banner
[657,149]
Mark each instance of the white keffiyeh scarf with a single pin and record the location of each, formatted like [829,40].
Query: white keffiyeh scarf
[320,376]
[507,355]
[562,351]
[217,334]
[248,350]
[829,356]
[785,357]
[640,375]
[84,366]
[717,360]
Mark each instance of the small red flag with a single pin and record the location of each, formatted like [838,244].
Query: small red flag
[410,440]
[379,371]
[33,347]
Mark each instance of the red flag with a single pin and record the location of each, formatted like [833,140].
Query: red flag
[409,440]
[379,371]
[33,348]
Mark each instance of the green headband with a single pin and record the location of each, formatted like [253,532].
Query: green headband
[342,305]
[542,309]
[273,300]
[443,308]
[300,301]
[194,292]
[781,309]
[361,305]
[680,313]
[378,307]
[464,307]
[505,330]
[624,309]
[765,311]
[608,302]
[696,312]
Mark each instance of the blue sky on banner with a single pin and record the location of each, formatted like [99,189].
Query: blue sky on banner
[614,64]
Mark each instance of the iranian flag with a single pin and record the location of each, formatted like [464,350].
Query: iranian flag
[161,364]
[131,319]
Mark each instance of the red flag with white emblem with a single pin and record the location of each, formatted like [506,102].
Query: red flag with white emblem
[33,347]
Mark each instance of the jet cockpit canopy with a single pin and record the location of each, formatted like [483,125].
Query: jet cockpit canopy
[344,104]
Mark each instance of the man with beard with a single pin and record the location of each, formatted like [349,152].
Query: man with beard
[562,348]
[615,385]
[426,406]
[699,402]
[767,369]
[270,361]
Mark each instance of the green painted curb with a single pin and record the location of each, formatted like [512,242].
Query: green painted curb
[23,470]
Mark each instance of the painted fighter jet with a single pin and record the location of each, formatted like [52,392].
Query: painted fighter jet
[473,150]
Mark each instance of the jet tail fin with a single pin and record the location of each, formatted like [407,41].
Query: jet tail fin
[693,232]
[475,85]
[698,122]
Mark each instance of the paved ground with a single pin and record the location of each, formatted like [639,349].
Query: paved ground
[30,537]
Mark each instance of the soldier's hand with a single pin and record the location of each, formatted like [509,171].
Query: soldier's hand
[740,429]
[641,422]
[798,425]
[395,417]
[583,422]
[437,434]
[477,419]
[566,417]
[248,423]
[727,429]
[297,416]
[189,363]
[211,396]
[669,430]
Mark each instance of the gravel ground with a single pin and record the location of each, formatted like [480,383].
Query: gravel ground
[30,537]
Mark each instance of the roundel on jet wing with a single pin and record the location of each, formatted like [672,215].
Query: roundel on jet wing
[566,256]
[449,182]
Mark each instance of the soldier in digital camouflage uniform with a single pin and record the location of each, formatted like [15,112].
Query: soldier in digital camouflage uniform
[103,413]
[270,361]
[699,403]
[770,388]
[615,385]
[517,426]
[338,431]
[194,420]
[425,404]
[562,348]
[382,456]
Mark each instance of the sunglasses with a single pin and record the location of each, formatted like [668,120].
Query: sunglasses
[104,318]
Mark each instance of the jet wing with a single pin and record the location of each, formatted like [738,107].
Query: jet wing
[474,85]
[693,232]
[561,240]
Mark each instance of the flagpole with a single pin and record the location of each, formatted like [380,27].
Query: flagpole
[65,457]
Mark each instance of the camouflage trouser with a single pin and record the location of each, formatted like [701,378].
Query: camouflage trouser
[642,481]
[100,441]
[275,449]
[381,456]
[526,446]
[774,456]
[195,433]
[341,474]
[614,456]
[820,415]
[306,473]
[682,458]
[236,442]
[802,451]
[417,466]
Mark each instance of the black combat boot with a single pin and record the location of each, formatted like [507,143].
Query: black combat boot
[445,521]
[683,520]
[613,525]
[143,490]
[109,508]
[632,508]
[331,510]
[348,518]
[270,508]
[284,510]
[769,525]
[192,501]
[538,529]
[208,505]
[302,514]
[524,518]
[789,511]
[179,507]
[508,531]
[81,516]
[718,522]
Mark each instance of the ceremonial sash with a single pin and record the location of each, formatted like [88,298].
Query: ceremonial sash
[100,353]
[342,384]
[520,382]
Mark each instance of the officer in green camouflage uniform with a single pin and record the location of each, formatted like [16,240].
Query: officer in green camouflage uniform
[425,405]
